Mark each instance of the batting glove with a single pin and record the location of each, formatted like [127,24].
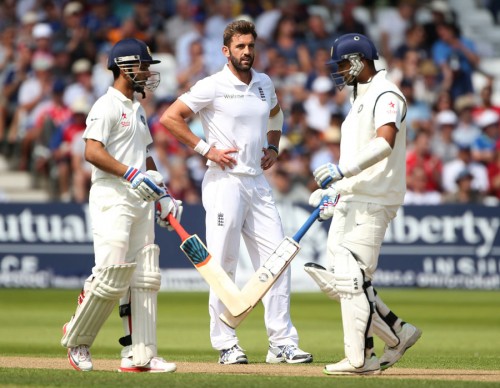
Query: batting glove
[326,206]
[166,205]
[147,186]
[327,172]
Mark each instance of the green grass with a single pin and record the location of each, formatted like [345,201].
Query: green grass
[460,329]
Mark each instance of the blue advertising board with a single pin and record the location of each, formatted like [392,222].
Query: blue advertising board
[50,246]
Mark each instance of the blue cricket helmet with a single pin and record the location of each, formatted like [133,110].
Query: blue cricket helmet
[130,50]
[352,47]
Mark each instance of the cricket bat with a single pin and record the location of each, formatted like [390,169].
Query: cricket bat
[263,279]
[214,275]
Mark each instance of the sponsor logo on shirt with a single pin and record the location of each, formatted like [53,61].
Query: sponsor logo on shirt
[124,122]
[391,108]
[234,95]
[143,119]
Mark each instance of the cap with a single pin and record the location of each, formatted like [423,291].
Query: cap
[487,118]
[29,18]
[42,31]
[464,174]
[58,86]
[464,102]
[446,117]
[80,106]
[72,8]
[439,6]
[82,65]
[322,85]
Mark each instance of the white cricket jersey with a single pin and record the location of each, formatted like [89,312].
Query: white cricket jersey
[120,124]
[378,102]
[234,115]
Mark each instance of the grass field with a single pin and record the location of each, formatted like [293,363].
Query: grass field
[460,332]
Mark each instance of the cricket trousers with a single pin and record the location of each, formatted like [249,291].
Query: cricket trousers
[243,206]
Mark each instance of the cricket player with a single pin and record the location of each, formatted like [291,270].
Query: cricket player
[125,185]
[370,179]
[242,123]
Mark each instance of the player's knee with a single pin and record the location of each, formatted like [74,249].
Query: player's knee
[147,275]
[113,281]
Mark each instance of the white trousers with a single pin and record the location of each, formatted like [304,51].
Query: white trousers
[240,205]
[360,227]
[122,224]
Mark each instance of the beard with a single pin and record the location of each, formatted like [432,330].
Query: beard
[238,65]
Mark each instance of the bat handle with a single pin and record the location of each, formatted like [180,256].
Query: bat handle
[178,227]
[312,218]
[326,182]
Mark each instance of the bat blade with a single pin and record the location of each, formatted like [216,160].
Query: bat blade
[264,278]
[212,272]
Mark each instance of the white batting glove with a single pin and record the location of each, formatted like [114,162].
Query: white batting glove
[327,174]
[326,206]
[147,186]
[166,205]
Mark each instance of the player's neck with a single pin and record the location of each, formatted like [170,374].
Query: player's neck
[243,76]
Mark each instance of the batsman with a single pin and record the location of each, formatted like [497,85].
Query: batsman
[125,185]
[371,181]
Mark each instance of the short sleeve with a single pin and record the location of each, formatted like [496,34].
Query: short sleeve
[200,95]
[100,121]
[389,108]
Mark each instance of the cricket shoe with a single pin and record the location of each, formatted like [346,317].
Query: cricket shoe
[370,367]
[79,357]
[290,354]
[233,355]
[408,335]
[155,365]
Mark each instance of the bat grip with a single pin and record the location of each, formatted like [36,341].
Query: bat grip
[178,227]
[312,218]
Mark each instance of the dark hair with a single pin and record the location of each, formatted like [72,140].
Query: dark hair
[238,27]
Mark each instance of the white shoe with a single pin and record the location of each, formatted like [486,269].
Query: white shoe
[290,354]
[408,335]
[155,365]
[79,357]
[371,367]
[233,355]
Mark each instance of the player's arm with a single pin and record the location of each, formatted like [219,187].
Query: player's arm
[96,154]
[274,128]
[174,119]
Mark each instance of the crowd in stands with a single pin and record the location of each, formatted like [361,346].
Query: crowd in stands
[53,67]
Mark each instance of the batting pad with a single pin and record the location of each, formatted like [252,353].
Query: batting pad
[143,300]
[324,279]
[354,304]
[106,289]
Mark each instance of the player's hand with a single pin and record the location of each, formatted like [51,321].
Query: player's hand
[166,205]
[146,185]
[326,199]
[222,157]
[270,157]
[328,171]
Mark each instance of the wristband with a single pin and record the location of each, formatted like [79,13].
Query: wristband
[274,148]
[202,147]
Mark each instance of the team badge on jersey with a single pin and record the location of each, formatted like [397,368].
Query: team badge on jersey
[262,95]
[220,219]
[124,122]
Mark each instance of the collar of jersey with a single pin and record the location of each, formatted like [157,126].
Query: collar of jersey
[236,81]
[116,93]
[362,88]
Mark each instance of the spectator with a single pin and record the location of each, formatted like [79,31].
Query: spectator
[82,88]
[464,161]
[427,86]
[418,113]
[417,192]
[319,105]
[494,173]
[99,20]
[464,192]
[317,36]
[483,147]
[442,144]
[420,156]
[295,125]
[286,188]
[348,23]
[180,23]
[467,131]
[486,102]
[457,58]
[440,13]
